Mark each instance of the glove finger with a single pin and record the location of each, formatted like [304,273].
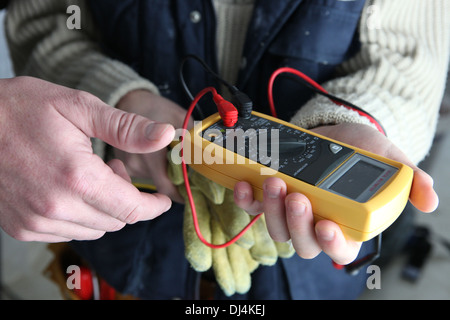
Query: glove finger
[240,268]
[174,171]
[284,249]
[197,253]
[220,262]
[252,264]
[233,219]
[213,191]
[264,251]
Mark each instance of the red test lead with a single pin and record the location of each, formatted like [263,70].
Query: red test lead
[227,111]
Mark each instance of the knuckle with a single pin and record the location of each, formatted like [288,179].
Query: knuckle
[48,208]
[130,217]
[78,182]
[125,124]
[50,211]
[82,97]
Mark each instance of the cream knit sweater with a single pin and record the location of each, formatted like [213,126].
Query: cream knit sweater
[398,75]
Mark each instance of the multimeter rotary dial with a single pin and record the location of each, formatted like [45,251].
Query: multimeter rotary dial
[295,153]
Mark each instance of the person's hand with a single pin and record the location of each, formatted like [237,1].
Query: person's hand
[53,188]
[152,166]
[290,216]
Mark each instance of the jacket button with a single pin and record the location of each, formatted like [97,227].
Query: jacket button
[195,16]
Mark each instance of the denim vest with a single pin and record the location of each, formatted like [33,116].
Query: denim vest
[313,36]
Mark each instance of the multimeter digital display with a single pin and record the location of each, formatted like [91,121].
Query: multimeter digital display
[362,192]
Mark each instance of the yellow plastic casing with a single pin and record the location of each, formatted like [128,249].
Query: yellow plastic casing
[358,221]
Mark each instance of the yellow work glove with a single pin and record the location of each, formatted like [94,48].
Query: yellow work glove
[232,265]
[219,220]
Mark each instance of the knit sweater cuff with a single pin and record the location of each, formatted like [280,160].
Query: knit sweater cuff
[321,111]
[111,80]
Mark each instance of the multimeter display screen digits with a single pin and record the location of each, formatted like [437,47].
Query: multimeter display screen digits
[303,156]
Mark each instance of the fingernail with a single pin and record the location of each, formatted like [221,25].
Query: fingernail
[296,208]
[326,235]
[155,130]
[273,192]
[240,195]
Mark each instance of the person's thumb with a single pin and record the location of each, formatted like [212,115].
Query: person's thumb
[126,131]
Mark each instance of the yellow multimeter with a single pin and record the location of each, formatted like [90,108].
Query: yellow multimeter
[362,192]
